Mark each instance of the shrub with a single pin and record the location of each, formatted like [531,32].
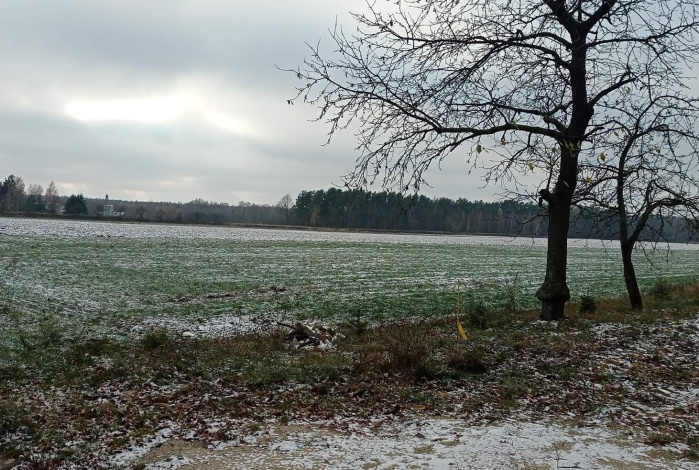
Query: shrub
[398,349]
[511,294]
[588,304]
[154,339]
[661,289]
[468,360]
[479,316]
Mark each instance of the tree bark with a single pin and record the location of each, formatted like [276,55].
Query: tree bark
[554,292]
[634,292]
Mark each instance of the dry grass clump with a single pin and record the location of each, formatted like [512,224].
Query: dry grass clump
[400,349]
[663,299]
[428,350]
[468,359]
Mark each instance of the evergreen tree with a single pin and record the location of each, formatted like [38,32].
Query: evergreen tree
[75,205]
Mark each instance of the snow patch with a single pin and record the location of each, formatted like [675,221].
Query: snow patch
[125,458]
[445,444]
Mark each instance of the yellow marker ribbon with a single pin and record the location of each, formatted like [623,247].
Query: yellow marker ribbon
[460,327]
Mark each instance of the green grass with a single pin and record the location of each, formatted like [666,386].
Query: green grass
[107,285]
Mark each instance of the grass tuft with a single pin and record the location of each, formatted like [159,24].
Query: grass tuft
[470,360]
[401,349]
[588,304]
[12,418]
[661,289]
[155,339]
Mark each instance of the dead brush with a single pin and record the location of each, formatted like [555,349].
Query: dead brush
[398,349]
[468,359]
[664,290]
[254,345]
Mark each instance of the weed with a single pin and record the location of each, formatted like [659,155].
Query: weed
[49,334]
[398,349]
[43,338]
[94,347]
[605,377]
[511,286]
[564,373]
[320,367]
[6,291]
[405,353]
[268,372]
[358,323]
[414,396]
[479,316]
[511,389]
[692,453]
[84,352]
[424,449]
[659,439]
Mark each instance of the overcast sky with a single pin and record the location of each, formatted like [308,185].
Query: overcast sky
[173,100]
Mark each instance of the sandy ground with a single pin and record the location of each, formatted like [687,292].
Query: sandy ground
[417,444]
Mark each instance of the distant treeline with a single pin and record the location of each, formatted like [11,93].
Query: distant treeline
[353,209]
[338,209]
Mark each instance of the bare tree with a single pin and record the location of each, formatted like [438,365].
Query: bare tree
[16,195]
[646,176]
[141,212]
[285,204]
[507,77]
[51,198]
[160,214]
[35,190]
[34,201]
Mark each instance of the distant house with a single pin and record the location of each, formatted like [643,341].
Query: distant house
[110,212]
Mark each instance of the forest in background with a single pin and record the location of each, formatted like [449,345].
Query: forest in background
[337,209]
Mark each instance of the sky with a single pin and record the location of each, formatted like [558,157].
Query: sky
[173,100]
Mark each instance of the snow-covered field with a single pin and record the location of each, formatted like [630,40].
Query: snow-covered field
[90,229]
[100,277]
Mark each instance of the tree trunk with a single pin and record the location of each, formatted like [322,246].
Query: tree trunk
[554,293]
[634,292]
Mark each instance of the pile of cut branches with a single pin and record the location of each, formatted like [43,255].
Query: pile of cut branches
[310,335]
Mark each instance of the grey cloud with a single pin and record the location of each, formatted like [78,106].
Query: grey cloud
[167,36]
[221,52]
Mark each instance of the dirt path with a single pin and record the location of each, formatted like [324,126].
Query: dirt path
[420,444]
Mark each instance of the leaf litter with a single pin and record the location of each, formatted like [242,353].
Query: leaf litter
[554,396]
